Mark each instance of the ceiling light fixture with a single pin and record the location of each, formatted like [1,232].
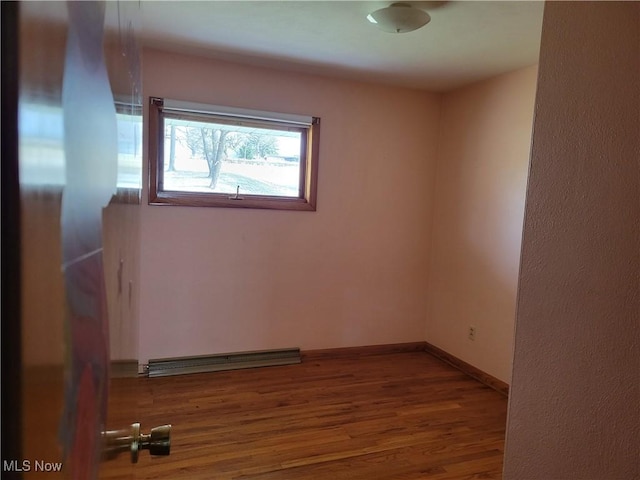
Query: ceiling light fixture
[399,18]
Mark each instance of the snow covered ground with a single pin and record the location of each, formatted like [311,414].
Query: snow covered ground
[255,177]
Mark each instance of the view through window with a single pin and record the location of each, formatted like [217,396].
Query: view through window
[203,155]
[224,158]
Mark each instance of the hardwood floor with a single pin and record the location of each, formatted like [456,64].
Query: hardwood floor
[397,416]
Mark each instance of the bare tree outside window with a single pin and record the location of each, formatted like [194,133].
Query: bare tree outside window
[231,157]
[258,160]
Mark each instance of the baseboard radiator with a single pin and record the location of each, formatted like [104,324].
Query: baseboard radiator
[224,361]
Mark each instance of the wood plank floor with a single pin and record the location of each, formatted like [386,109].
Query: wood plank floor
[398,416]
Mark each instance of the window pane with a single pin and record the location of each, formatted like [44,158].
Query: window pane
[212,157]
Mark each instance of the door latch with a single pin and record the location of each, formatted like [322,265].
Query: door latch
[115,442]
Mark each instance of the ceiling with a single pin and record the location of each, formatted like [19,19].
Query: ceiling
[465,41]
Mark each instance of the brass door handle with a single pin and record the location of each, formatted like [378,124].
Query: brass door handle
[115,442]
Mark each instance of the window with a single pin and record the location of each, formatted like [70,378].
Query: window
[208,156]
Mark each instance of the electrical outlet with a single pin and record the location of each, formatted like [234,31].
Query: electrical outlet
[472,333]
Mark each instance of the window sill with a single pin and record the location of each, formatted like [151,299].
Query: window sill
[187,199]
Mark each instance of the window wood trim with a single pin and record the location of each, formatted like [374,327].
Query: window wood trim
[307,200]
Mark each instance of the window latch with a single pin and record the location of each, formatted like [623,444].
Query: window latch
[237,195]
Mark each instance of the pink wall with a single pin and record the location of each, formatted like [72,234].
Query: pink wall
[575,392]
[483,159]
[352,273]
